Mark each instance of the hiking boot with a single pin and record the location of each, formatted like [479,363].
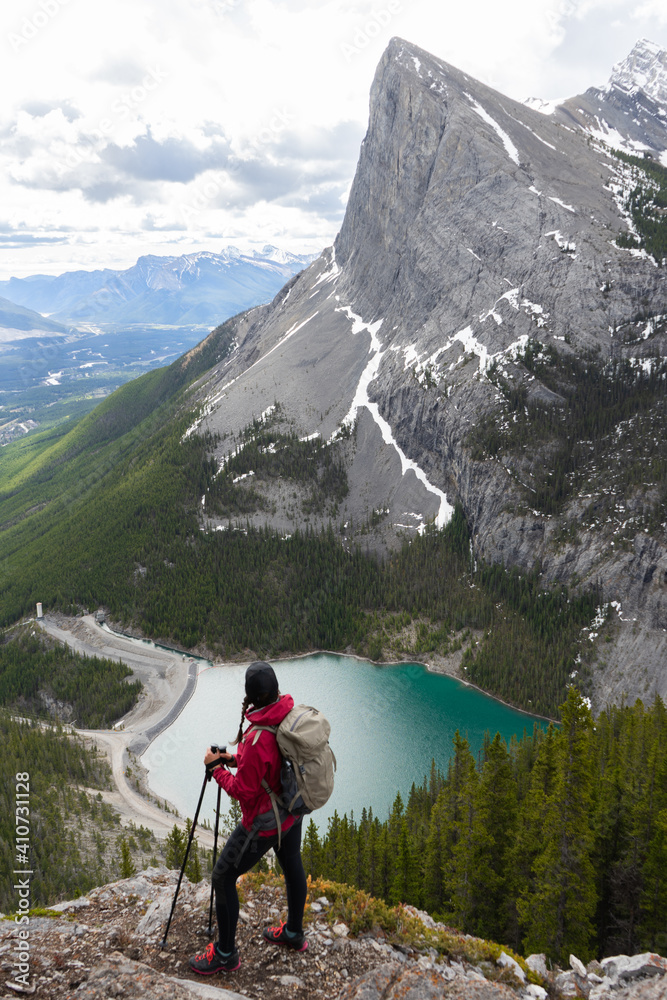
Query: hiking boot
[212,961]
[280,935]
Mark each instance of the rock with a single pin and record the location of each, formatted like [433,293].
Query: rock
[155,918]
[538,964]
[532,990]
[291,981]
[578,966]
[623,968]
[387,982]
[341,930]
[507,962]
[601,990]
[120,976]
[374,985]
[566,984]
[71,904]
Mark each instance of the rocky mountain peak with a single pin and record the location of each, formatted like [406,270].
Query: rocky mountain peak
[644,68]
[475,227]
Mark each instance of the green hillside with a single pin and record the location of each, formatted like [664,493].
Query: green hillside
[107,514]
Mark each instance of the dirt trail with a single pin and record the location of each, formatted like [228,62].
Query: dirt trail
[168,678]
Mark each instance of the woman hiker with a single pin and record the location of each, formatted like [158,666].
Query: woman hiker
[257,759]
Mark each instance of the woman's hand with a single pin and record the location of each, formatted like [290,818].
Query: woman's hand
[221,758]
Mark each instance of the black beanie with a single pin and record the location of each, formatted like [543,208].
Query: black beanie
[261,683]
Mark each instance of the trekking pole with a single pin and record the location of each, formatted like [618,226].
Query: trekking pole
[215,857]
[207,777]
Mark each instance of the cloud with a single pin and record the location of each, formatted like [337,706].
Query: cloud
[124,71]
[174,159]
[11,238]
[39,109]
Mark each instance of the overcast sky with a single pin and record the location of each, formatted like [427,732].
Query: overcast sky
[169,126]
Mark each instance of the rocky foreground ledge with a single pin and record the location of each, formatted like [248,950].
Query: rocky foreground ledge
[107,944]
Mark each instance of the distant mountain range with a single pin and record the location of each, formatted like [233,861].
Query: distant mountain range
[16,318]
[630,111]
[199,289]
[81,334]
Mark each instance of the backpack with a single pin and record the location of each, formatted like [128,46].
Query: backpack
[308,763]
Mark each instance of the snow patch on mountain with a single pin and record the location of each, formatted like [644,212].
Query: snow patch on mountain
[644,68]
[361,399]
[510,148]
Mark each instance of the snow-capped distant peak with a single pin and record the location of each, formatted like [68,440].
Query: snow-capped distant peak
[544,107]
[645,68]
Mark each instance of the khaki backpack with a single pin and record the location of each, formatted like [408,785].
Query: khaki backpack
[307,772]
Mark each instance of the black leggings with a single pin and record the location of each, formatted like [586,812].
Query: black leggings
[236,859]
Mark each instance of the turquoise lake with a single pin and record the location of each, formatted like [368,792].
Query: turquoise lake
[387,724]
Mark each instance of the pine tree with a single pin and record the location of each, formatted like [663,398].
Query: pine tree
[175,844]
[193,866]
[312,851]
[458,873]
[558,916]
[126,865]
[493,827]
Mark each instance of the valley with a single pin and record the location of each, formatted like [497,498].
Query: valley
[441,440]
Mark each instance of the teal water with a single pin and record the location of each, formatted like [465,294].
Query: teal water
[387,724]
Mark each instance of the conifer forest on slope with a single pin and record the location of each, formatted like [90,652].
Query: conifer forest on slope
[555,844]
[107,513]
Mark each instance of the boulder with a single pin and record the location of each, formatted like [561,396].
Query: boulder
[507,962]
[624,968]
[578,966]
[538,964]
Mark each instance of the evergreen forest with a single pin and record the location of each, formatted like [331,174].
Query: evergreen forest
[646,204]
[56,769]
[40,677]
[56,825]
[107,513]
[556,843]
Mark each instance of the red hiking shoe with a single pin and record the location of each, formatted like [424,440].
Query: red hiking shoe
[211,961]
[280,935]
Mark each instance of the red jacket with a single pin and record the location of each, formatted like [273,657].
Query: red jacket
[257,757]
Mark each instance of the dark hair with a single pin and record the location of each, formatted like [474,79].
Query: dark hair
[244,709]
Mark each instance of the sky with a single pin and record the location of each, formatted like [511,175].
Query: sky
[171,126]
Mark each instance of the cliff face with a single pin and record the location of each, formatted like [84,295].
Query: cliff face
[475,226]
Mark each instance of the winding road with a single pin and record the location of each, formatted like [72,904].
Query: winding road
[169,679]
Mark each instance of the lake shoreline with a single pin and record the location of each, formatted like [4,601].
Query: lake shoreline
[166,693]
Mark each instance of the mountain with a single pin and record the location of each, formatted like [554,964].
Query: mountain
[481,324]
[17,320]
[487,331]
[630,111]
[194,289]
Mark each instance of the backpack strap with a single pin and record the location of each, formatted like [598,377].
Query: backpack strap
[258,730]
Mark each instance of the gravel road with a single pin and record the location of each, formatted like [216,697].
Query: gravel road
[169,679]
